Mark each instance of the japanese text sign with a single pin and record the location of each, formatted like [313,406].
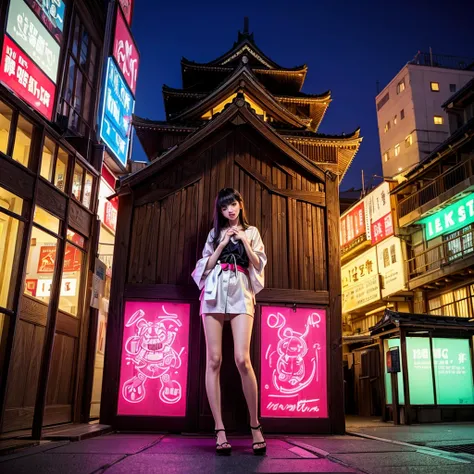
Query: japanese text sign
[51,14]
[380,212]
[110,216]
[154,360]
[127,6]
[125,52]
[360,281]
[27,31]
[22,76]
[293,363]
[391,266]
[355,227]
[117,109]
[47,259]
[450,219]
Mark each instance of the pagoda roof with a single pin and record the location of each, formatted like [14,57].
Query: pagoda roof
[243,79]
[237,112]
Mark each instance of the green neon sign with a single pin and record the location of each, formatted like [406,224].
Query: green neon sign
[449,219]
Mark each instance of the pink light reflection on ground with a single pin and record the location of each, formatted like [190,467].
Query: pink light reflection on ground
[154,361]
[293,363]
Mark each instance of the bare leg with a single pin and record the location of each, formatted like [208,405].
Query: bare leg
[242,332]
[213,324]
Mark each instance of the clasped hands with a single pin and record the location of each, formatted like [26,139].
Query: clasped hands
[237,233]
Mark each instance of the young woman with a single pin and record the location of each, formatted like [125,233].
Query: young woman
[230,274]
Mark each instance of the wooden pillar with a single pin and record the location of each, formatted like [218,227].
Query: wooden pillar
[111,379]
[334,323]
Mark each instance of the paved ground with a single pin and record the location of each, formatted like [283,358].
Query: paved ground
[155,453]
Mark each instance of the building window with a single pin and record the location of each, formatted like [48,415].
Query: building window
[82,186]
[386,156]
[5,124]
[77,182]
[70,280]
[397,149]
[11,232]
[387,127]
[434,86]
[408,141]
[401,86]
[383,101]
[438,120]
[46,220]
[452,87]
[54,163]
[79,90]
[23,139]
[395,120]
[459,243]
[402,114]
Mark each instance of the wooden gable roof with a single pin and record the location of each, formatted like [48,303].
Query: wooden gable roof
[238,112]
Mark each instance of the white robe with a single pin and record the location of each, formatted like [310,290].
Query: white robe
[230,292]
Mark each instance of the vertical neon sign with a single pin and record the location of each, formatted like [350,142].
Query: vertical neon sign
[154,362]
[293,363]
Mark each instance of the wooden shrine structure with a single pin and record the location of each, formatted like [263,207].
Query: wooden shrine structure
[238,121]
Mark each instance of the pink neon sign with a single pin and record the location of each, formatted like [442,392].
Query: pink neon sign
[154,363]
[293,363]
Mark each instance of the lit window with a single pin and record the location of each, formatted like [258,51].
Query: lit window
[402,114]
[401,86]
[387,127]
[438,120]
[86,199]
[71,277]
[452,87]
[5,122]
[61,170]
[434,86]
[395,120]
[409,141]
[47,159]
[77,182]
[46,220]
[386,156]
[397,149]
[23,136]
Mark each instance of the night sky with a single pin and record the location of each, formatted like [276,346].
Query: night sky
[347,45]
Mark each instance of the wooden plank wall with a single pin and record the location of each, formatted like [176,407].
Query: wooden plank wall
[171,220]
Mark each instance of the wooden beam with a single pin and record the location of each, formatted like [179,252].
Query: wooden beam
[317,198]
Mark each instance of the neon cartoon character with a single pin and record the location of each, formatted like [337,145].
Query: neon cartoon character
[151,352]
[290,373]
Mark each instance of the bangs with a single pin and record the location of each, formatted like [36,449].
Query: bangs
[226,197]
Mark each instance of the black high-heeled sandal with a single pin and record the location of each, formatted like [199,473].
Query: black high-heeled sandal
[263,449]
[220,450]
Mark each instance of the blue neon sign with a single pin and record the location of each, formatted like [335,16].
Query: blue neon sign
[117,109]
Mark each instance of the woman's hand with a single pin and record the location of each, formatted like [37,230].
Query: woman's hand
[228,234]
[239,234]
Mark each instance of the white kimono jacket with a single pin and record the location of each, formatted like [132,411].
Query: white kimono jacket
[230,292]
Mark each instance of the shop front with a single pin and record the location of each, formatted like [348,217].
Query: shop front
[435,381]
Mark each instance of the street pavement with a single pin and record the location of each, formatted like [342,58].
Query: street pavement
[376,448]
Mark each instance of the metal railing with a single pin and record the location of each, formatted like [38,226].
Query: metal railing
[441,60]
[445,253]
[445,181]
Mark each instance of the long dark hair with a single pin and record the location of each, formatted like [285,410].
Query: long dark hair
[225,197]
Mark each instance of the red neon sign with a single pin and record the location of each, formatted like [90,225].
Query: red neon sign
[127,6]
[22,76]
[110,215]
[382,228]
[293,363]
[125,52]
[353,224]
[154,361]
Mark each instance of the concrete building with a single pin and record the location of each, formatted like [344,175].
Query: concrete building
[411,120]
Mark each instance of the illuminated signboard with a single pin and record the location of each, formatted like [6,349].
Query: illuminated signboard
[379,209]
[154,361]
[127,6]
[110,216]
[355,227]
[27,31]
[293,363]
[452,369]
[360,281]
[51,14]
[125,52]
[449,219]
[19,73]
[117,110]
[391,266]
